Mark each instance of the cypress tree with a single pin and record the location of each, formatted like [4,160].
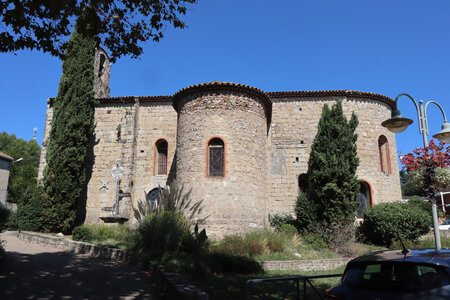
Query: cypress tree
[72,126]
[332,168]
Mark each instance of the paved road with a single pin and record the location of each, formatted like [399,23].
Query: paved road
[36,272]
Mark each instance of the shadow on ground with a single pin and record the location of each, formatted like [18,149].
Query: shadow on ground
[65,276]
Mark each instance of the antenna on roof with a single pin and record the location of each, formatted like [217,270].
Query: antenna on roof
[34,133]
[404,250]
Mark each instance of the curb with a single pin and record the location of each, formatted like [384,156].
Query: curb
[73,246]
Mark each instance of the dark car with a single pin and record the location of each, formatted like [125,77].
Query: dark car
[395,274]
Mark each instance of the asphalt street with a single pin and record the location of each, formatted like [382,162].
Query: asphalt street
[32,271]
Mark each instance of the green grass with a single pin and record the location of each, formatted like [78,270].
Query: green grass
[427,243]
[232,286]
[275,245]
[116,236]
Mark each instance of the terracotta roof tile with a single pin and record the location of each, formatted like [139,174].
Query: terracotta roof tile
[267,96]
[328,93]
[215,85]
[5,156]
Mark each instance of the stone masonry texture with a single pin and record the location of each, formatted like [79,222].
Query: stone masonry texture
[267,137]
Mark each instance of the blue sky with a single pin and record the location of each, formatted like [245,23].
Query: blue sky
[384,46]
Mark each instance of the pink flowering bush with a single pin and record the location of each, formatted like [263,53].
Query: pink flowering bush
[415,164]
[437,154]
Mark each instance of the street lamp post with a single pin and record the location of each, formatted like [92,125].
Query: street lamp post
[398,124]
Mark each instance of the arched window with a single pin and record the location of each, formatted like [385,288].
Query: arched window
[152,199]
[384,155]
[101,67]
[303,182]
[216,158]
[364,199]
[161,157]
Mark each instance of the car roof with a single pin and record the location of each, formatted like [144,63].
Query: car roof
[429,256]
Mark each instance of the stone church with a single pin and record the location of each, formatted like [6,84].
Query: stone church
[242,150]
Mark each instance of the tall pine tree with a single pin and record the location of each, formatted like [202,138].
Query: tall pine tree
[332,167]
[72,126]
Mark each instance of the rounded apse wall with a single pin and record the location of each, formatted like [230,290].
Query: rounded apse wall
[221,152]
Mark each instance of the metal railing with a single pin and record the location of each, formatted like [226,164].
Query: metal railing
[251,289]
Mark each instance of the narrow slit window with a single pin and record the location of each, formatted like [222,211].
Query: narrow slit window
[216,158]
[384,155]
[161,157]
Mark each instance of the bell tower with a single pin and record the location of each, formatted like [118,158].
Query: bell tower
[102,72]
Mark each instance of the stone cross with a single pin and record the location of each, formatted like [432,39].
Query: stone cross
[117,173]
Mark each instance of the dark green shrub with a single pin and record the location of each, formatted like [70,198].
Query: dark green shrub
[384,222]
[204,265]
[279,219]
[72,128]
[332,168]
[4,214]
[423,204]
[11,224]
[82,234]
[102,232]
[288,230]
[224,263]
[37,212]
[306,213]
[420,203]
[315,240]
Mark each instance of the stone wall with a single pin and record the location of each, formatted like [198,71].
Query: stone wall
[304,265]
[156,120]
[292,132]
[267,147]
[128,131]
[236,201]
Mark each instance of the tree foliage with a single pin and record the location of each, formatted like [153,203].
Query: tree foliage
[425,170]
[438,154]
[37,212]
[71,129]
[120,25]
[332,167]
[23,174]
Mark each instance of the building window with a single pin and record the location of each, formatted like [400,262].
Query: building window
[216,158]
[363,200]
[161,157]
[303,183]
[152,199]
[384,155]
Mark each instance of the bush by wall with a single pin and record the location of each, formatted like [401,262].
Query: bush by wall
[11,224]
[384,222]
[288,230]
[37,212]
[306,213]
[279,219]
[82,234]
